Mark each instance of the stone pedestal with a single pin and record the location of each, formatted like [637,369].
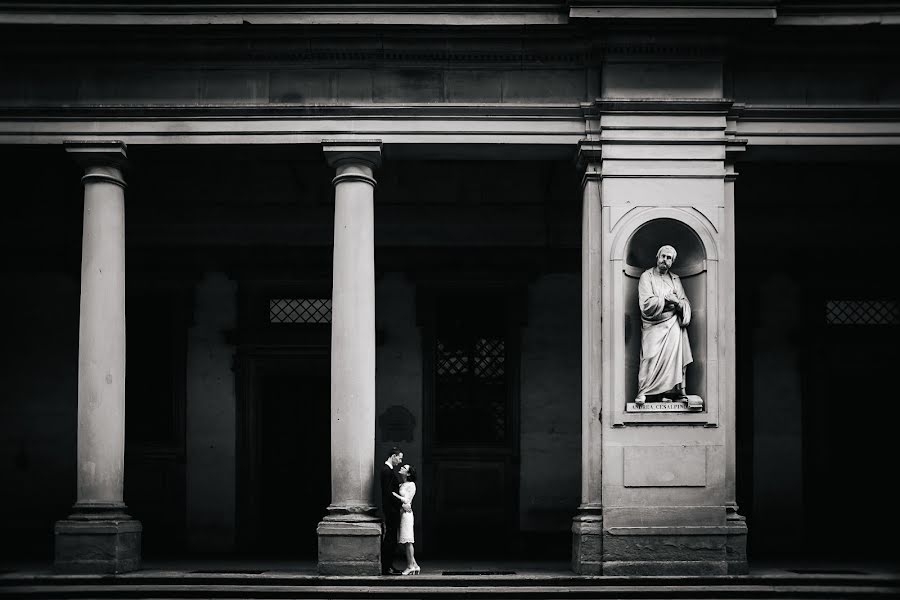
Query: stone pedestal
[350,535]
[736,543]
[99,537]
[349,547]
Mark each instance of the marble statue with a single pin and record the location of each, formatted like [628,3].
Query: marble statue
[665,315]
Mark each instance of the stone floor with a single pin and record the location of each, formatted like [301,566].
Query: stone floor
[514,569]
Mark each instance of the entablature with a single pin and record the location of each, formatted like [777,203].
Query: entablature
[454,13]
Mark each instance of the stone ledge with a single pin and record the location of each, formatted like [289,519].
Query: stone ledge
[665,567]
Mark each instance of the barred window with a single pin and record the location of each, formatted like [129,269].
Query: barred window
[862,312]
[300,310]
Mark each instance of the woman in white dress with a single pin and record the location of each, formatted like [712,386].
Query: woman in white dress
[405,537]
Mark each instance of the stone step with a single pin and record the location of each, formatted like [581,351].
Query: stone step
[435,586]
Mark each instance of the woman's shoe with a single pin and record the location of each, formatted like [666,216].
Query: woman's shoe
[408,571]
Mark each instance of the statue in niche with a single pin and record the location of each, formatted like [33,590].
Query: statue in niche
[665,349]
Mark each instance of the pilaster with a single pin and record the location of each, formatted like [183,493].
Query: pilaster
[587,525]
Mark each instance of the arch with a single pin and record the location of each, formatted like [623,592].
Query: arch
[632,223]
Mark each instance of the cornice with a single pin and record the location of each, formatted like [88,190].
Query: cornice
[611,10]
[460,13]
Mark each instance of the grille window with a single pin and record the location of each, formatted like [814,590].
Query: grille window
[862,312]
[300,310]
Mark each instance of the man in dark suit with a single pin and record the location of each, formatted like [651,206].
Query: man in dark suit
[390,506]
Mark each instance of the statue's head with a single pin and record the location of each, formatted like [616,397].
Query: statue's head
[665,256]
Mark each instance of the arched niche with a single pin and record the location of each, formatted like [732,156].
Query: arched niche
[690,265]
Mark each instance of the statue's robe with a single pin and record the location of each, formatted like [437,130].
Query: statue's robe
[665,350]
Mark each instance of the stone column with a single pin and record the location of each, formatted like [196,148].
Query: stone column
[99,536]
[350,534]
[587,526]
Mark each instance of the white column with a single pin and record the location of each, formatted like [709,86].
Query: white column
[101,347]
[351,512]
[100,536]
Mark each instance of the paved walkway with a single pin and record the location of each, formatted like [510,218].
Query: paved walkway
[513,569]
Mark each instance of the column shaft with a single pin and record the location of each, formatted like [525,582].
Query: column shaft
[101,349]
[353,339]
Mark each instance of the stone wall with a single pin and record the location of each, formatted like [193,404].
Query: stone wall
[550,412]
[210,430]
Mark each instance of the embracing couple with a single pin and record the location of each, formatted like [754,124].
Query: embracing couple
[398,487]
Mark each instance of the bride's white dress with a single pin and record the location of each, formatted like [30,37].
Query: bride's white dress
[408,491]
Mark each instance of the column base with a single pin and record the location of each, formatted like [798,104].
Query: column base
[587,541]
[736,543]
[97,539]
[350,543]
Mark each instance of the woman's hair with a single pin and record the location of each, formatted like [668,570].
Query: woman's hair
[410,473]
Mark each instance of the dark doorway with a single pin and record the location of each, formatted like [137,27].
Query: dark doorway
[285,487]
[294,481]
[472,431]
[284,422]
[849,421]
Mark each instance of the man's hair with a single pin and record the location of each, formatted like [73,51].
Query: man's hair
[671,251]
[394,451]
[410,473]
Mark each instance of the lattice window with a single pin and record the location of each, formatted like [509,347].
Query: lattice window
[451,362]
[862,312]
[300,310]
[490,359]
[471,395]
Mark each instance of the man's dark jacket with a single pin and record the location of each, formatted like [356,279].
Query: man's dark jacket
[389,504]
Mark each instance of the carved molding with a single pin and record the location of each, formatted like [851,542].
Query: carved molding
[461,13]
[539,126]
[673,9]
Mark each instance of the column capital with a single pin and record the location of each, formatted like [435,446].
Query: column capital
[588,151]
[102,161]
[90,153]
[587,160]
[342,152]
